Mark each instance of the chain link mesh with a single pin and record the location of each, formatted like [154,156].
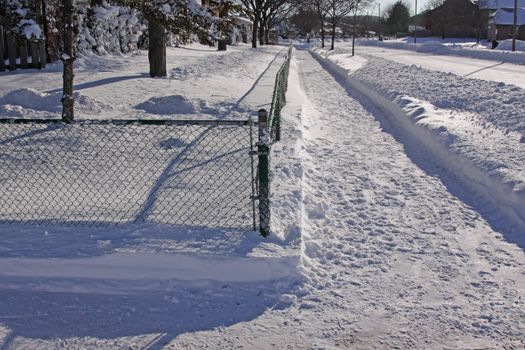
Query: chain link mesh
[279,97]
[109,173]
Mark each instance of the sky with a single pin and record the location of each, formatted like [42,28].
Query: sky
[421,5]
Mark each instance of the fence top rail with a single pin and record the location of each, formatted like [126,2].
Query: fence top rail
[276,89]
[166,122]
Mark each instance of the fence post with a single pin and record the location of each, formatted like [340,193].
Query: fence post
[23,53]
[2,63]
[43,53]
[35,55]
[11,50]
[263,150]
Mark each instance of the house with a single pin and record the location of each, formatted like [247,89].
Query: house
[502,22]
[456,19]
[243,29]
[501,18]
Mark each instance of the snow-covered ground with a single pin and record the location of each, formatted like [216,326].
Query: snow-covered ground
[476,68]
[376,243]
[458,48]
[203,83]
[393,254]
[476,127]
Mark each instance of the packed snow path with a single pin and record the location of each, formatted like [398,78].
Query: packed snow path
[392,259]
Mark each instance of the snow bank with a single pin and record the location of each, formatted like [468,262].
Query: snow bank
[167,105]
[153,266]
[455,119]
[30,103]
[287,165]
[507,45]
[135,254]
[441,48]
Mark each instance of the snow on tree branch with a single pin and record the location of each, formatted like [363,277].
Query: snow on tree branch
[19,20]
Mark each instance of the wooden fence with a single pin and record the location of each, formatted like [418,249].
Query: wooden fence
[20,53]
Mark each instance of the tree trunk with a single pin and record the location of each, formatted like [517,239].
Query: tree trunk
[222,44]
[68,58]
[46,30]
[322,30]
[267,36]
[333,36]
[255,31]
[156,49]
[261,35]
[354,32]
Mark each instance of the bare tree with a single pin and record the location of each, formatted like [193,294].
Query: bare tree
[306,19]
[321,8]
[359,5]
[253,9]
[274,12]
[265,14]
[336,10]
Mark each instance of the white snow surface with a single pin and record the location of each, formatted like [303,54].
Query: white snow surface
[456,115]
[202,84]
[436,46]
[376,244]
[506,17]
[392,257]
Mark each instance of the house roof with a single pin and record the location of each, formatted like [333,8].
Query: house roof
[499,4]
[506,17]
[243,19]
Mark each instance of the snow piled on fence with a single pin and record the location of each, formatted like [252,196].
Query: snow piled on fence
[474,127]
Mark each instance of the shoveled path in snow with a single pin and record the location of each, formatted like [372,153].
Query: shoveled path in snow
[391,258]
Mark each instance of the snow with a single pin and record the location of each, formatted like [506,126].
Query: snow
[507,45]
[380,236]
[393,256]
[454,118]
[437,47]
[506,17]
[487,69]
[31,29]
[119,87]
[499,4]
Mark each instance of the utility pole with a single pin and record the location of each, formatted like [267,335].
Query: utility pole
[380,31]
[415,24]
[515,25]
[354,31]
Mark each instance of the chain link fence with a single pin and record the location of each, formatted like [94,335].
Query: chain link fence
[112,172]
[193,173]
[269,132]
[279,97]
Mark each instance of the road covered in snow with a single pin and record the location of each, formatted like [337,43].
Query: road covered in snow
[377,244]
[476,68]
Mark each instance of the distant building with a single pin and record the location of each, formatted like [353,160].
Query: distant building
[243,28]
[501,18]
[456,19]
